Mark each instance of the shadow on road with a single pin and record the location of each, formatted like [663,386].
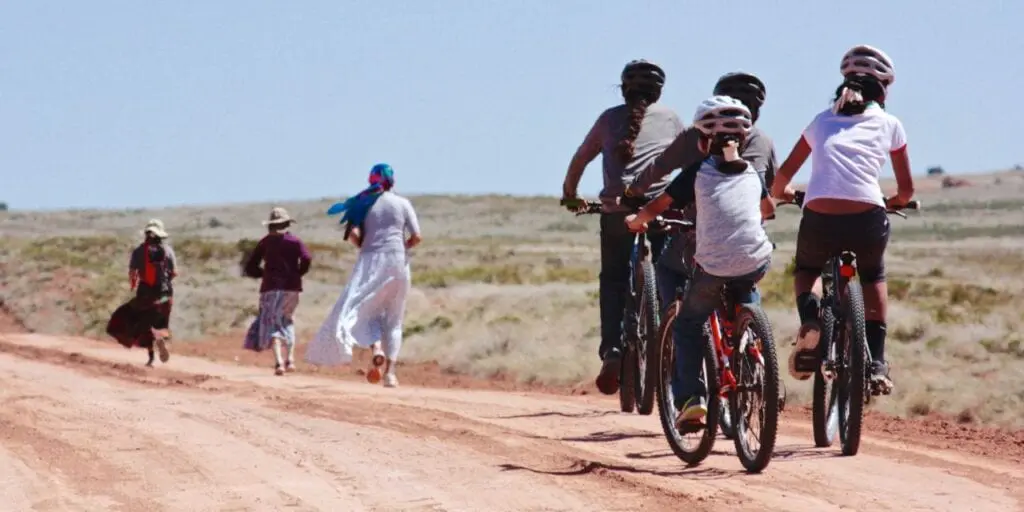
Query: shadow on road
[587,467]
[609,436]
[585,414]
[790,453]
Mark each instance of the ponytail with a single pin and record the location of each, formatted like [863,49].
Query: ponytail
[637,105]
[854,94]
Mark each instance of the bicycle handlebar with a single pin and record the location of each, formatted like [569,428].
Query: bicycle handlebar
[582,207]
[800,195]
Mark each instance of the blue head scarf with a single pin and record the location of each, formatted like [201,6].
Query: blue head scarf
[382,177]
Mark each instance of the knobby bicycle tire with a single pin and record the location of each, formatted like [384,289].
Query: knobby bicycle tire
[648,347]
[825,399]
[666,408]
[855,384]
[753,316]
[627,374]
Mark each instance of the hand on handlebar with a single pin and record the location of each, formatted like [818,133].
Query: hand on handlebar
[634,223]
[573,203]
[786,195]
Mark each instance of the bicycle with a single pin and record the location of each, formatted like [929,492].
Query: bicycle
[842,386]
[639,321]
[736,336]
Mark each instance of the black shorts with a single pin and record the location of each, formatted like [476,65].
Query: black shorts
[822,236]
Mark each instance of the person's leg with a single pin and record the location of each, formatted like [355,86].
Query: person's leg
[814,245]
[275,344]
[669,283]
[616,245]
[160,318]
[289,305]
[870,238]
[393,316]
[152,356]
[670,271]
[688,390]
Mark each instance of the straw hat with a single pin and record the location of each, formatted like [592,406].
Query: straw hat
[156,228]
[278,215]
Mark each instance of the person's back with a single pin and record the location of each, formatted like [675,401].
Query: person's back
[155,262]
[386,224]
[285,261]
[658,128]
[848,153]
[731,240]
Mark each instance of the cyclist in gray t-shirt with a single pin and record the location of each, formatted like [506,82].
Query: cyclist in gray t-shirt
[629,137]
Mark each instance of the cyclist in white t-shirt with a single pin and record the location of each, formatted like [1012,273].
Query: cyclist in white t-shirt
[844,208]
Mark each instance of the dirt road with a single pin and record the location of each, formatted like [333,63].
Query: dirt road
[83,427]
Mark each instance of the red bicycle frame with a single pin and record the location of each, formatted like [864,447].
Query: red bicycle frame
[721,328]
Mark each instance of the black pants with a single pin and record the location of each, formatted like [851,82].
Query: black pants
[616,246]
[822,236]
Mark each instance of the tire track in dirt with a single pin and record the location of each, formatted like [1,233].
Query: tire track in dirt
[575,447]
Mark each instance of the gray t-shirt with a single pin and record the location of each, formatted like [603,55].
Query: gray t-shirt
[757,148]
[657,130]
[389,220]
[731,240]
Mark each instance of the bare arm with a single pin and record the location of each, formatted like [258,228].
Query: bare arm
[904,180]
[797,156]
[355,236]
[412,226]
[586,153]
[767,208]
[654,208]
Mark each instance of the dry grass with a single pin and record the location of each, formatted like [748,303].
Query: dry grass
[507,285]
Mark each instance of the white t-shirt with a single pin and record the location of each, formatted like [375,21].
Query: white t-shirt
[848,152]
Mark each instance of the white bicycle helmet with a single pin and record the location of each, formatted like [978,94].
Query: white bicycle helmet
[722,114]
[868,60]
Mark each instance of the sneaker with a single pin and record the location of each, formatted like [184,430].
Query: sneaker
[374,374]
[691,414]
[278,370]
[608,379]
[803,360]
[390,380]
[289,366]
[881,384]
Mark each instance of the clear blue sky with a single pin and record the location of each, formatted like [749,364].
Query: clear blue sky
[128,103]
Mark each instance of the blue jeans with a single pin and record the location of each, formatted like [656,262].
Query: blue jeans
[702,297]
[672,276]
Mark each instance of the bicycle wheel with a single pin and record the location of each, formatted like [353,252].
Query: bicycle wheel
[691,447]
[648,354]
[825,400]
[627,374]
[853,377]
[756,366]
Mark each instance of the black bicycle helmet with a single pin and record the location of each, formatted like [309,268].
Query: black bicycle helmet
[643,74]
[743,86]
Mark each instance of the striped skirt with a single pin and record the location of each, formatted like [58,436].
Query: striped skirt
[277,308]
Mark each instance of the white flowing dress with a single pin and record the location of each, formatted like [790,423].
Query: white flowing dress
[372,306]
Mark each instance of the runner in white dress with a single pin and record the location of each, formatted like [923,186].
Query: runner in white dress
[370,310]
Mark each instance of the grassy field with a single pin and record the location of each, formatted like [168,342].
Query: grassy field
[509,285]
